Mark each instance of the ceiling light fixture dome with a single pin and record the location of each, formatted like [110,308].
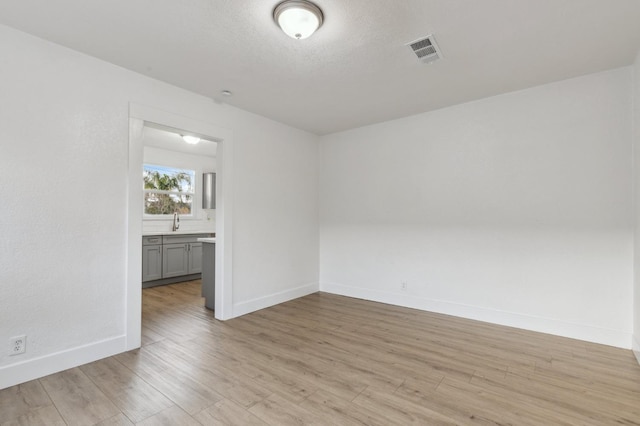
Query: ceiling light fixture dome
[298,18]
[192,140]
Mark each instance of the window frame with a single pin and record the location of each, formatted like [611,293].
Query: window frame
[193,173]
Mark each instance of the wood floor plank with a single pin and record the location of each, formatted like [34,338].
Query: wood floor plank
[317,346]
[181,388]
[149,336]
[565,396]
[424,393]
[293,362]
[141,360]
[118,420]
[135,397]
[227,357]
[43,416]
[328,359]
[77,398]
[218,380]
[398,410]
[335,410]
[470,403]
[19,400]
[227,413]
[278,411]
[171,416]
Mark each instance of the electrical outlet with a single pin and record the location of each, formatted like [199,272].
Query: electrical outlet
[403,286]
[17,345]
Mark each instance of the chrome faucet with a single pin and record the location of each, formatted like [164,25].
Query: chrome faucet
[176,222]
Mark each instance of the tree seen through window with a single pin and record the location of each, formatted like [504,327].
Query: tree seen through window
[168,190]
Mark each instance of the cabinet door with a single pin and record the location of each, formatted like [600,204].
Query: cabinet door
[151,263]
[174,260]
[195,258]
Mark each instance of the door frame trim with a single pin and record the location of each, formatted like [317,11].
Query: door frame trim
[138,115]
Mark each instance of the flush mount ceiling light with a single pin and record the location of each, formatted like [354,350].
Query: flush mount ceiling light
[298,18]
[191,140]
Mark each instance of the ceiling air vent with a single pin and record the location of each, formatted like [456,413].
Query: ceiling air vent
[426,49]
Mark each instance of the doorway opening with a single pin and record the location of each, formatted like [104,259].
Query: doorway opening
[152,121]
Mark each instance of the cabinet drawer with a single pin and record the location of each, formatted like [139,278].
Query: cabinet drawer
[152,241]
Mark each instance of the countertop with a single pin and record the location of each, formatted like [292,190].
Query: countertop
[207,240]
[178,232]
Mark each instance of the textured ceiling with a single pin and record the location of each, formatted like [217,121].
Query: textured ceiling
[356,69]
[158,136]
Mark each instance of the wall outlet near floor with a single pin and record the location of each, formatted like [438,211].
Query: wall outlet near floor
[17,345]
[403,286]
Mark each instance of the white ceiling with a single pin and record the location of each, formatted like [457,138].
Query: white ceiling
[158,136]
[356,69]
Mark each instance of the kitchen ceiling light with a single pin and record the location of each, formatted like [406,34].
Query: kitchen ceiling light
[298,18]
[191,140]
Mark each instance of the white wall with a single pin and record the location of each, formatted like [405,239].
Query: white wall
[278,223]
[636,152]
[64,126]
[516,209]
[202,220]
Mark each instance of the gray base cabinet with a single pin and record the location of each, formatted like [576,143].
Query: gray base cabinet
[175,260]
[151,258]
[170,256]
[195,258]
[151,263]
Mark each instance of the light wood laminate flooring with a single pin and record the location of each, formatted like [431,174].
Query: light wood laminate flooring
[331,360]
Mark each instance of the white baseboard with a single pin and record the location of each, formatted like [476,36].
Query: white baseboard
[636,347]
[253,305]
[35,368]
[544,325]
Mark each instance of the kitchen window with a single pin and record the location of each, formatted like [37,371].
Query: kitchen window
[168,190]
